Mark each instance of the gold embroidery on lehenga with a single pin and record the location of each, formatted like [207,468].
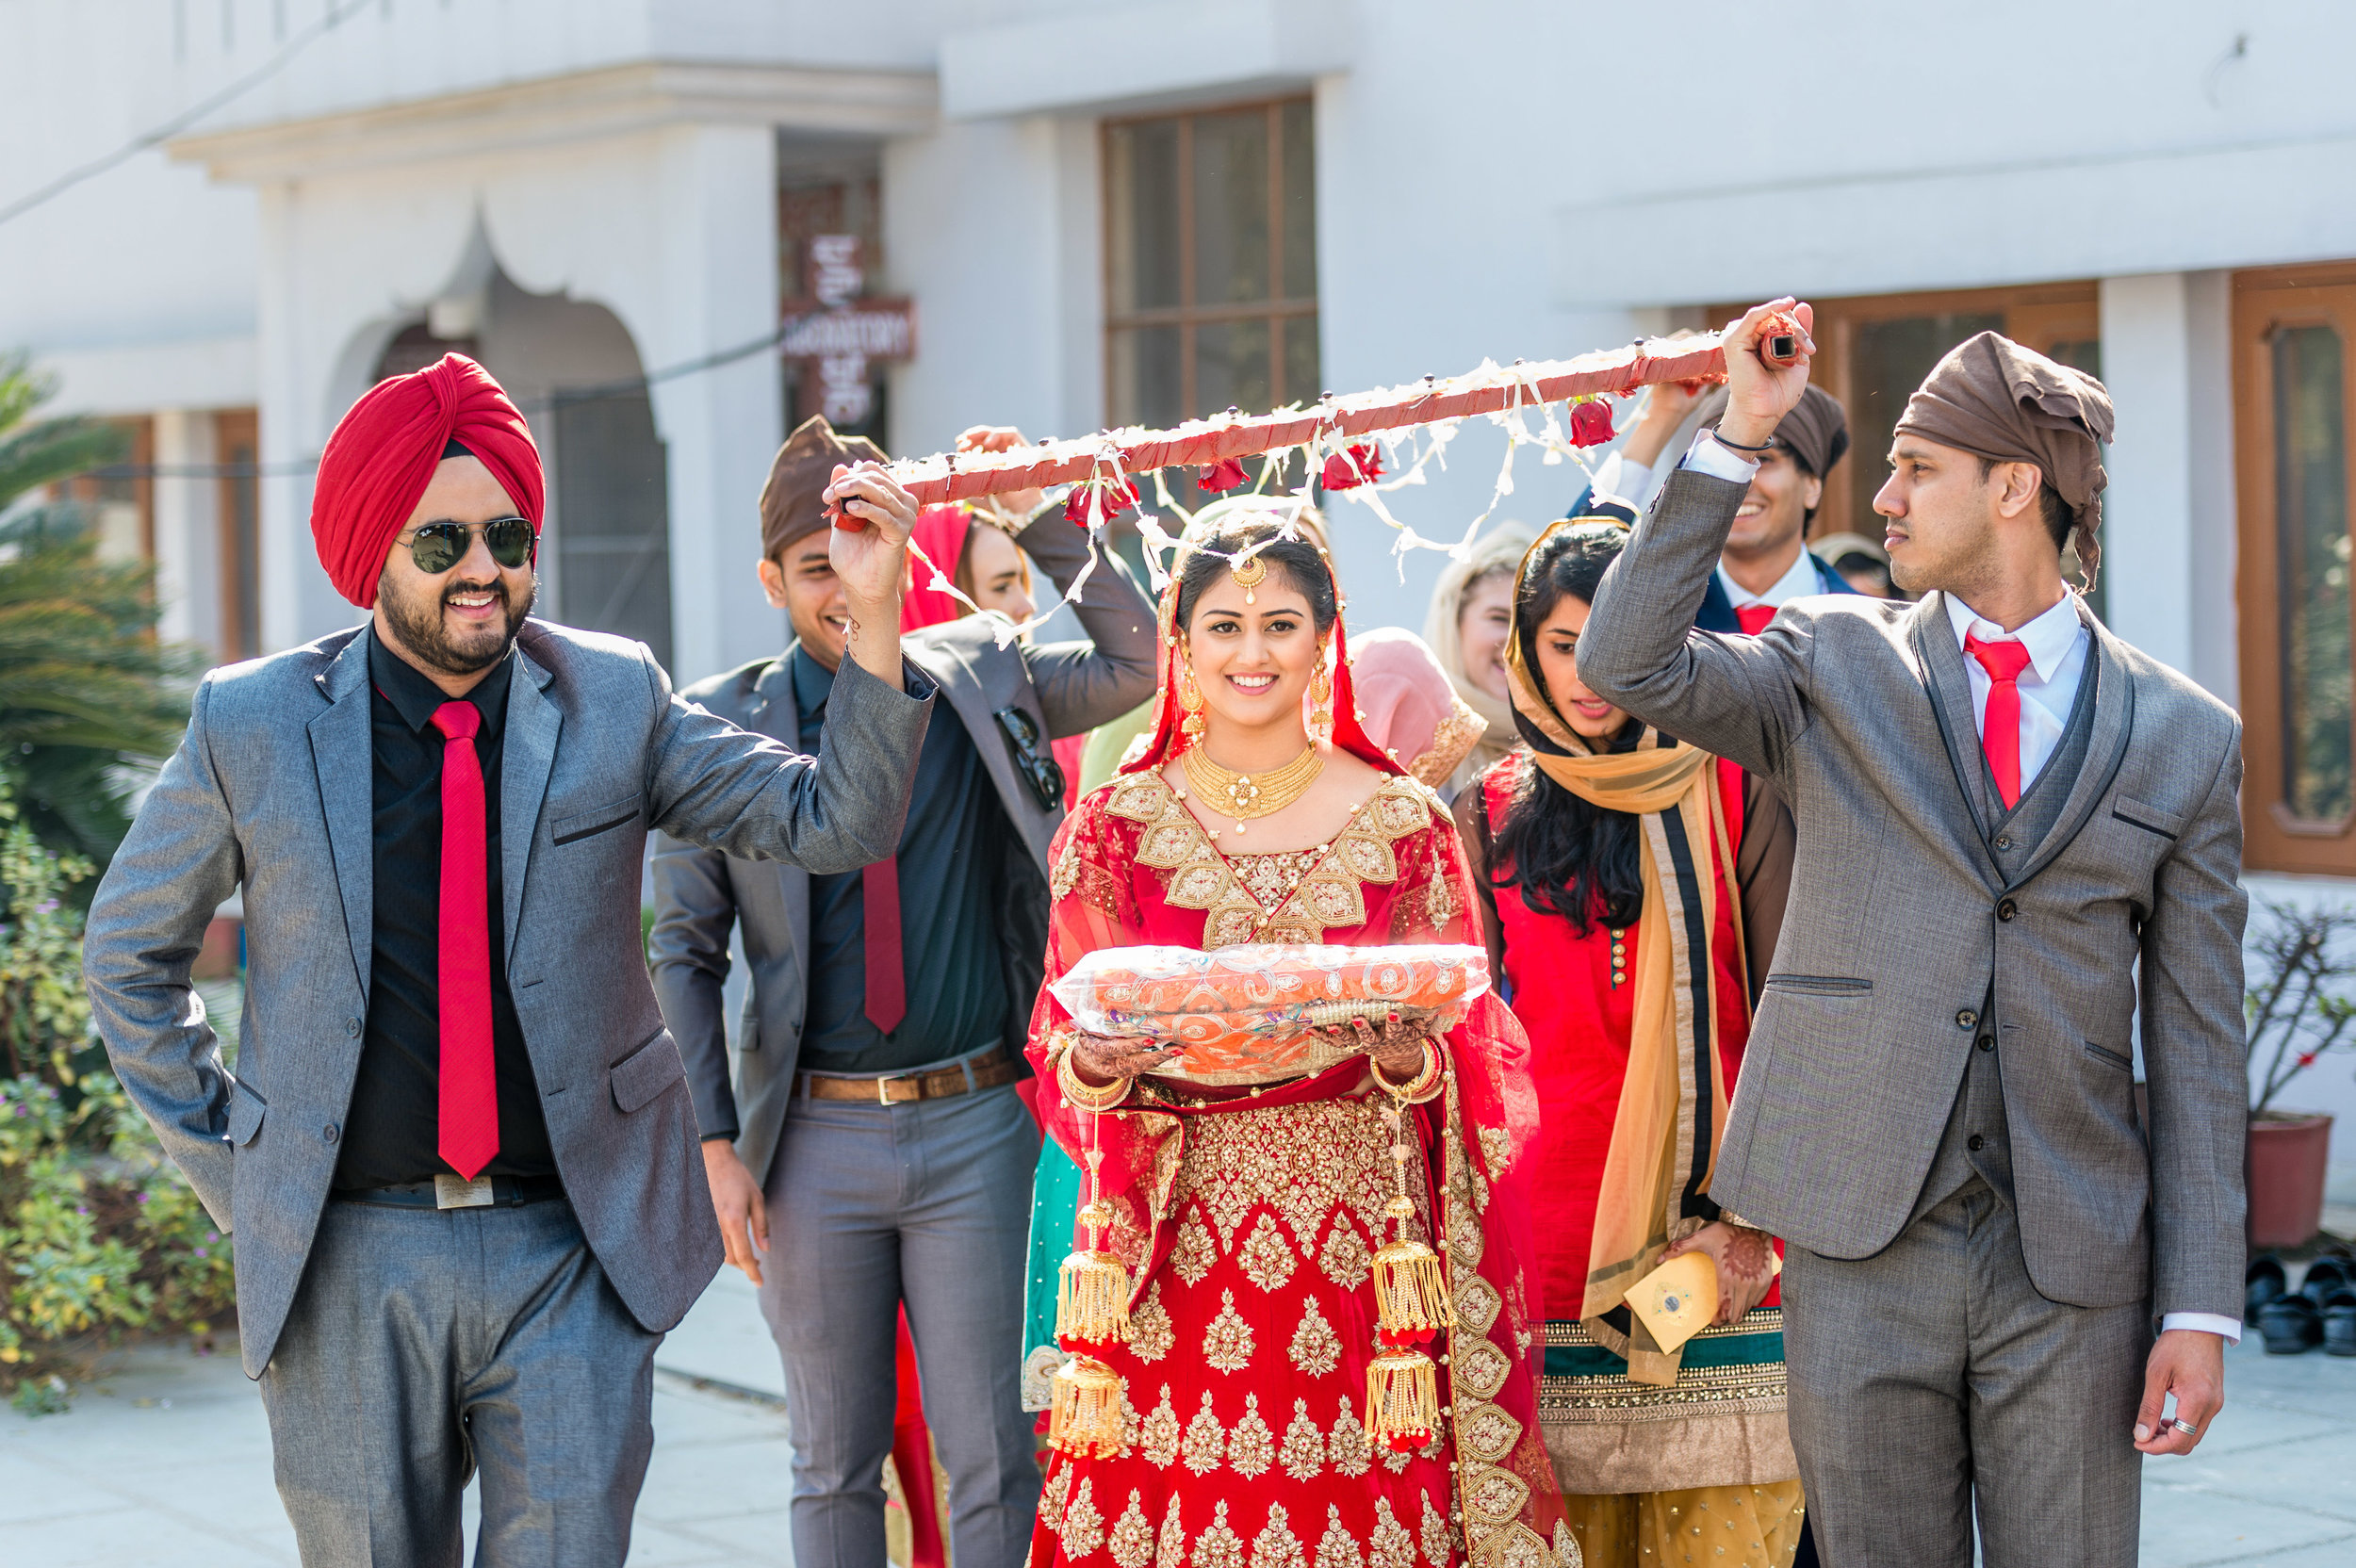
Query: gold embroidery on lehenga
[1151,1332]
[1051,1500]
[1496,1495]
[1482,1369]
[1192,1254]
[1083,1526]
[1206,1440]
[1497,1150]
[1250,1447]
[1303,1453]
[1346,1257]
[1316,1349]
[1485,1430]
[1227,1344]
[1346,1448]
[1300,1162]
[1276,1546]
[1219,1546]
[1132,1541]
[1433,1537]
[1476,1303]
[1390,1546]
[1267,1256]
[1339,1549]
[1170,1547]
[1158,1436]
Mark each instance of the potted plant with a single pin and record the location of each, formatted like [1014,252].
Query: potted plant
[2298,1006]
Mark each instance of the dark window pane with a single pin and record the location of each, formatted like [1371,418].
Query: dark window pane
[1231,221]
[1891,359]
[1300,359]
[2079,354]
[1230,366]
[1144,230]
[613,532]
[2310,520]
[1145,385]
[1299,205]
[242,564]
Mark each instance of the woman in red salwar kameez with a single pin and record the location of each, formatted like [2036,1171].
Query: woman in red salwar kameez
[1248,1213]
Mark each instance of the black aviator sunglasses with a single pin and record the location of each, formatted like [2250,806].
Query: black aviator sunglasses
[439,546]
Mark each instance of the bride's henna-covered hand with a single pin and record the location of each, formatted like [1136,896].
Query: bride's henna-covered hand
[1101,1059]
[1395,1044]
[1746,1266]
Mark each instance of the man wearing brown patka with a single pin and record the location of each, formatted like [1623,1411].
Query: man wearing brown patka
[1998,1268]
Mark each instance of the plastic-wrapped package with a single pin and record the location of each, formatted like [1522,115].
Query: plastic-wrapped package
[1248,1014]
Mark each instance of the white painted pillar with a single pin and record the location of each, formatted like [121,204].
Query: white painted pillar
[187,529]
[2168,522]
[716,219]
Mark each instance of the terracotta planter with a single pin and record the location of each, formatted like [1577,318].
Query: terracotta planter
[2288,1154]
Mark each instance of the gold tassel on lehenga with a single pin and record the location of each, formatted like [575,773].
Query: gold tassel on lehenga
[1092,1308]
[1412,1305]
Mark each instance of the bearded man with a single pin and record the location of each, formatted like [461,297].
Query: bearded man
[1999,1266]
[457,1148]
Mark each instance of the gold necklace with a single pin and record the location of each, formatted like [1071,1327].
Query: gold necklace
[1241,795]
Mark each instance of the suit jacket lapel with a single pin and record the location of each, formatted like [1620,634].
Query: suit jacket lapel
[1949,687]
[526,755]
[1717,610]
[775,714]
[2114,722]
[341,755]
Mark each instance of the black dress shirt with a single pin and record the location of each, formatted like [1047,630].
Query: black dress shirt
[392,1131]
[949,959]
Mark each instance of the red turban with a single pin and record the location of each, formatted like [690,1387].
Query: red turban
[382,455]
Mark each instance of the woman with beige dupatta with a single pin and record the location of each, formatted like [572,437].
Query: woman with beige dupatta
[1603,856]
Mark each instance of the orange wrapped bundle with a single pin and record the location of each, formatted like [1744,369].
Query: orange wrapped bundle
[1250,1014]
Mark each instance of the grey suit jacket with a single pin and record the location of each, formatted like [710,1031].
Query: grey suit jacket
[270,792]
[1901,925]
[1066,688]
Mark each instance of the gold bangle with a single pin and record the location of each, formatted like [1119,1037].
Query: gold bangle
[1417,1089]
[1089,1097]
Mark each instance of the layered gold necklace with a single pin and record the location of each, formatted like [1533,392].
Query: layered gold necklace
[1244,797]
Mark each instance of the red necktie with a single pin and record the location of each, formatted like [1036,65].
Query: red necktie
[469,1107]
[2000,727]
[1754,617]
[887,986]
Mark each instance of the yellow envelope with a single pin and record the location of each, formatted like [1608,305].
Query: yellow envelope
[1678,1299]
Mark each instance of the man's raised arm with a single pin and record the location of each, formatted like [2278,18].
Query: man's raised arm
[1735,696]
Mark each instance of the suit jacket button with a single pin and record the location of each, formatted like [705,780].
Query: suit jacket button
[2007,909]
[1975,1143]
[1966,1019]
[351,1027]
[2004,841]
[327,1134]
[1987,1042]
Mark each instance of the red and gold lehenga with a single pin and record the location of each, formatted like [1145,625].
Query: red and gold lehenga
[1248,1217]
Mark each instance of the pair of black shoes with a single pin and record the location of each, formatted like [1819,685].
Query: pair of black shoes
[2321,1312]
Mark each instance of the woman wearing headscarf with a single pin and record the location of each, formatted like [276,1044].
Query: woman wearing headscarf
[1471,608]
[1410,709]
[1603,855]
[1236,1425]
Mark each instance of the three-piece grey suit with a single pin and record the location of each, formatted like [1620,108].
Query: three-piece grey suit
[544,1359]
[1938,1109]
[925,1203]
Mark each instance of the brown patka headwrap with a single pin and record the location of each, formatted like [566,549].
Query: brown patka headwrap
[1997,399]
[1816,431]
[792,502]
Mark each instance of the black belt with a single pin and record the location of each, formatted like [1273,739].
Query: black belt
[448,1192]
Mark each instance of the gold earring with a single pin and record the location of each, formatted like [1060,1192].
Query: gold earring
[1321,699]
[1191,700]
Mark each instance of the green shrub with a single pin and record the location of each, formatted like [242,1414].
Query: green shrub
[99,1234]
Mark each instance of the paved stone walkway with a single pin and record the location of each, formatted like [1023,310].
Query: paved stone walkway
[165,1463]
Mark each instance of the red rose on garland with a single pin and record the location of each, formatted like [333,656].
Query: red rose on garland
[1098,500]
[1224,474]
[1590,423]
[1353,467]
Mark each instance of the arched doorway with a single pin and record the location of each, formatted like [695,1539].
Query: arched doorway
[605,560]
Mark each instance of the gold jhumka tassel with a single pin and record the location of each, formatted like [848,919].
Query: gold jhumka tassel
[1412,1304]
[1092,1308]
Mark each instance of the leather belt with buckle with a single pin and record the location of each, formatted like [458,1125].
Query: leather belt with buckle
[452,1192]
[988,1072]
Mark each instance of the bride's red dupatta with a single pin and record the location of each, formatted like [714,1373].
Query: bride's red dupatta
[1474,1137]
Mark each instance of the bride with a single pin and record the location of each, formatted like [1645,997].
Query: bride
[1247,1213]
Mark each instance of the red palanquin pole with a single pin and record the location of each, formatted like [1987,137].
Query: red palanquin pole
[964,476]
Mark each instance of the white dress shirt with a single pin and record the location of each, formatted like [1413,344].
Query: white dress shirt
[1797,583]
[2059,643]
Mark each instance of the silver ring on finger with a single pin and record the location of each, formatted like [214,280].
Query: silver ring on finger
[2187,1428]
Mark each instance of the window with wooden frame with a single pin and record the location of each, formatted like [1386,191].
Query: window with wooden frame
[238,511]
[2293,333]
[1210,254]
[1873,350]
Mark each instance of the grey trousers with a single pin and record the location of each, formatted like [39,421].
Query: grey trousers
[929,1204]
[425,1345]
[1933,1376]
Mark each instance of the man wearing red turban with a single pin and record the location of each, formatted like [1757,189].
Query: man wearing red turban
[457,1150]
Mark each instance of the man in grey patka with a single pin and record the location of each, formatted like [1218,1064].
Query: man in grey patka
[1998,1271]
[873,1155]
[458,1152]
